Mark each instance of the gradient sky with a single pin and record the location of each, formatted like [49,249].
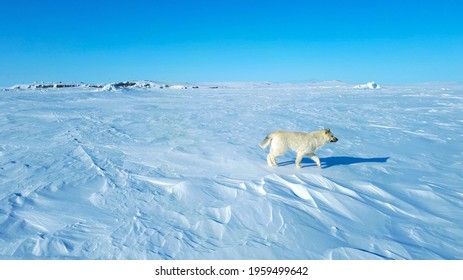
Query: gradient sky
[223,40]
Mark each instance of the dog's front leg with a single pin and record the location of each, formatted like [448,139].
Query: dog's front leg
[298,159]
[315,158]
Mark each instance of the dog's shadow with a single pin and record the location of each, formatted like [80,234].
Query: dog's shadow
[334,161]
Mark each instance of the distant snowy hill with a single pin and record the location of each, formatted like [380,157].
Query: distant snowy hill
[49,86]
[103,87]
[335,84]
[370,85]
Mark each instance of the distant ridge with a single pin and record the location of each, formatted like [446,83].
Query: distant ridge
[370,85]
[143,84]
[102,87]
[249,85]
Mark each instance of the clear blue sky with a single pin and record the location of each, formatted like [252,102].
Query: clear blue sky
[223,40]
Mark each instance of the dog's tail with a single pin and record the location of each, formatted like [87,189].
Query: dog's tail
[266,141]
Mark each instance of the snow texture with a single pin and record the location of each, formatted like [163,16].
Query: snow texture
[147,170]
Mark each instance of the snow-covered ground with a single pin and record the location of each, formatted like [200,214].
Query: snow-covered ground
[151,172]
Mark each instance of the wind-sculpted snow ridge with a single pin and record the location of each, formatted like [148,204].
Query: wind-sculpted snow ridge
[180,175]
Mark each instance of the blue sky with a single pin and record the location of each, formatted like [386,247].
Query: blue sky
[188,41]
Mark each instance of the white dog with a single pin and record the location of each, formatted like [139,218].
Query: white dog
[300,142]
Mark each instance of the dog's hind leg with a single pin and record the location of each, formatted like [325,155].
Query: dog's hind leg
[315,158]
[271,159]
[275,150]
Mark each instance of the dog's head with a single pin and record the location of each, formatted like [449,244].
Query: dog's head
[330,135]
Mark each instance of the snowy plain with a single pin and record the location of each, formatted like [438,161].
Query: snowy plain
[146,171]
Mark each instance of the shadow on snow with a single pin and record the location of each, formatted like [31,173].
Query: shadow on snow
[333,161]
